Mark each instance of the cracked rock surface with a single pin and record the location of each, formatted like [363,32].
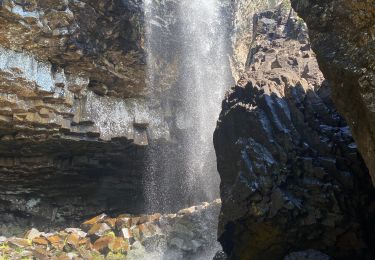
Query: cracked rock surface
[75,113]
[343,37]
[291,175]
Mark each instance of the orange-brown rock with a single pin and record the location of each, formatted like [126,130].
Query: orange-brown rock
[63,256]
[73,240]
[123,222]
[85,254]
[155,217]
[134,221]
[55,239]
[102,244]
[40,253]
[18,242]
[118,244]
[99,229]
[145,218]
[40,241]
[186,235]
[111,222]
[98,219]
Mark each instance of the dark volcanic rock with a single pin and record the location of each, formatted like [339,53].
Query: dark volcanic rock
[291,176]
[307,255]
[342,35]
[101,40]
[75,116]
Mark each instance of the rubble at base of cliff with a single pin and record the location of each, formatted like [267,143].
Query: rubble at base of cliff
[187,234]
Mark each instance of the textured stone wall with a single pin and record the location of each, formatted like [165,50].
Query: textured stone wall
[242,34]
[75,112]
[291,176]
[343,37]
[100,39]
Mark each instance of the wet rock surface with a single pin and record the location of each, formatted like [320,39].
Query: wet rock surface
[342,36]
[291,176]
[188,234]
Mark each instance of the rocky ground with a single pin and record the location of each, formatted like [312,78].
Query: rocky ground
[189,234]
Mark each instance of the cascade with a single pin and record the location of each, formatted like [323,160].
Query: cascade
[204,80]
[198,42]
[184,174]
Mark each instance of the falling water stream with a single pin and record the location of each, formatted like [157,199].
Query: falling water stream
[199,45]
[186,174]
[204,81]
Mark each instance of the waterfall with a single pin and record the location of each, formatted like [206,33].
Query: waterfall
[204,79]
[191,35]
[188,74]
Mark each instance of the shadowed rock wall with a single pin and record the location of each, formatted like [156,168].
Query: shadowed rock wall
[343,37]
[291,175]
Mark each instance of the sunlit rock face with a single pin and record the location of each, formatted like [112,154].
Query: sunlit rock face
[343,36]
[291,176]
[242,34]
[75,114]
[99,39]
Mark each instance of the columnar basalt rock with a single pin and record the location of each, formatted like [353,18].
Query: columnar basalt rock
[291,176]
[100,39]
[75,113]
[242,35]
[343,37]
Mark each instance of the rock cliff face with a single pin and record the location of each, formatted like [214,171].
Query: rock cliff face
[343,37]
[242,34]
[75,112]
[291,176]
[102,40]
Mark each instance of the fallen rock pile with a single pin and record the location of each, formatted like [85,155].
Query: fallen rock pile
[185,235]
